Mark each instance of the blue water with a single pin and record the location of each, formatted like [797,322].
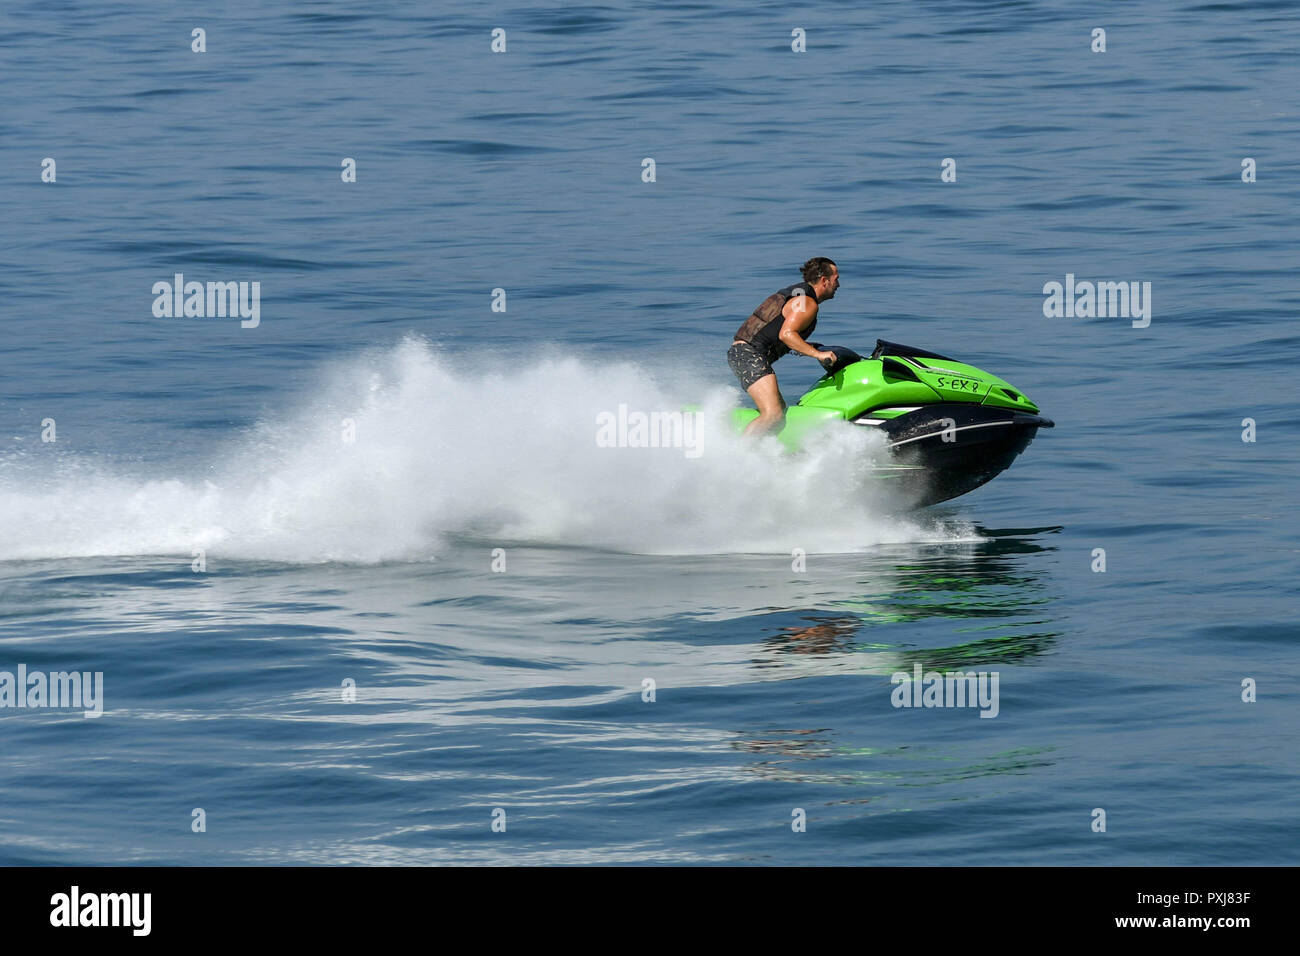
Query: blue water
[371,561]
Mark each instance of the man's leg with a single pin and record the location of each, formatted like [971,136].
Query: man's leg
[771,406]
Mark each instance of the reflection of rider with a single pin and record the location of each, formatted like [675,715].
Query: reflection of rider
[779,325]
[820,638]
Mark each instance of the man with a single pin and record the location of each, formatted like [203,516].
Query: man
[781,324]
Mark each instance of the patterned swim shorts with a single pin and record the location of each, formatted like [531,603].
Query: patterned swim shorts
[748,363]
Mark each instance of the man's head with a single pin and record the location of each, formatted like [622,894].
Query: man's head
[823,275]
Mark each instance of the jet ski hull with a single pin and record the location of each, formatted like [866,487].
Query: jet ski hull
[946,450]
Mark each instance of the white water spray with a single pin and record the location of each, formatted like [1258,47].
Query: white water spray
[500,458]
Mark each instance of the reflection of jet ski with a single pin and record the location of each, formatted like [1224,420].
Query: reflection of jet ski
[951,427]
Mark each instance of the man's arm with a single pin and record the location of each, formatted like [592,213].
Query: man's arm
[799,313]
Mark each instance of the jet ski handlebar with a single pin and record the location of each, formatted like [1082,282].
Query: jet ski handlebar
[843,356]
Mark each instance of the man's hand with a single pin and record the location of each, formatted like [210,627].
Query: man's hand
[827,359]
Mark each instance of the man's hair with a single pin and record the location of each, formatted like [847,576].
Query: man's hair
[817,267]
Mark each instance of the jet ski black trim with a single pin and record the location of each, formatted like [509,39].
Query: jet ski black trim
[884,348]
[899,368]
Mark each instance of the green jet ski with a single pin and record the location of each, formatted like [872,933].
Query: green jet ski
[950,426]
